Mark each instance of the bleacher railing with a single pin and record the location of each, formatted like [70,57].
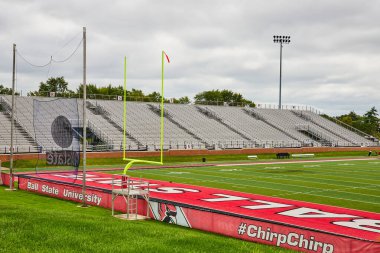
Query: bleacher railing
[290,107]
[154,99]
[99,133]
[8,109]
[357,131]
[4,149]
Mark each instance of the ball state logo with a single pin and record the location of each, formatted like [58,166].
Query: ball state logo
[61,131]
[168,213]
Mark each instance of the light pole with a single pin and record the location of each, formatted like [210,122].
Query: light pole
[281,40]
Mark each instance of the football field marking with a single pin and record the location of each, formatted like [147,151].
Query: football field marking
[263,187]
[336,190]
[278,176]
[284,177]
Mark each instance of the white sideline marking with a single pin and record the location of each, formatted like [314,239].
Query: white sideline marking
[296,192]
[326,190]
[290,178]
[331,172]
[223,170]
[179,172]
[345,164]
[297,161]
[239,185]
[325,179]
[336,190]
[311,166]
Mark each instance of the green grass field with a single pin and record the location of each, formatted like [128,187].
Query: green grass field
[33,223]
[346,183]
[31,164]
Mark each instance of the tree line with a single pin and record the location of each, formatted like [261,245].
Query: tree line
[59,86]
[369,122]
[6,91]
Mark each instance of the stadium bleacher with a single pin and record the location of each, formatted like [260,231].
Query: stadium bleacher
[186,126]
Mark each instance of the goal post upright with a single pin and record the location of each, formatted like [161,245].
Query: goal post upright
[130,160]
[162,109]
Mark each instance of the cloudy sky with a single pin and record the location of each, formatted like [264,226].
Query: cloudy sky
[332,62]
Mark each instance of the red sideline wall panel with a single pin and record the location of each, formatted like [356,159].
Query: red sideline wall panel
[286,223]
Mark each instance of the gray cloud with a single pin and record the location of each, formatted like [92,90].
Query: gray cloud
[332,62]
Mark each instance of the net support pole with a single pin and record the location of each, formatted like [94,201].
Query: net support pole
[11,186]
[84,121]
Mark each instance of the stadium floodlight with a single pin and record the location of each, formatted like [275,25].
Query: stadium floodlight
[281,40]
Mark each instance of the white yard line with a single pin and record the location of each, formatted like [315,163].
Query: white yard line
[218,181]
[299,161]
[324,190]
[290,179]
[368,195]
[333,172]
[328,173]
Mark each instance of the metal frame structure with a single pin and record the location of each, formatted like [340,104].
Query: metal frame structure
[130,190]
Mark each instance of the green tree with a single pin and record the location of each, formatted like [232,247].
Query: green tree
[53,84]
[135,94]
[368,123]
[154,97]
[371,121]
[182,100]
[101,92]
[220,96]
[350,118]
[90,89]
[6,91]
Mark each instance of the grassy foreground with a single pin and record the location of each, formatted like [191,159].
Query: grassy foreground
[33,223]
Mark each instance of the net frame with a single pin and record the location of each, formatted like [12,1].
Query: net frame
[66,119]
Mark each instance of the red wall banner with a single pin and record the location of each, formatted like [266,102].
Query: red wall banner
[4,178]
[285,223]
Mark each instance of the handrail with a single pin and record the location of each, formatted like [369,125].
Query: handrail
[289,107]
[8,109]
[98,132]
[228,124]
[345,125]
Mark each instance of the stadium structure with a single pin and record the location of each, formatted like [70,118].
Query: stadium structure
[291,209]
[187,126]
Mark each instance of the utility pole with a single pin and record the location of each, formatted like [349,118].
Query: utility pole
[281,40]
[84,146]
[11,186]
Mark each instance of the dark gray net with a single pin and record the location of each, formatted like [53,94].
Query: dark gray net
[57,130]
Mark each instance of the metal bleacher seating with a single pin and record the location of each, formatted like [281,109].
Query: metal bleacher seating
[185,126]
[23,140]
[206,128]
[258,130]
[356,138]
[143,125]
